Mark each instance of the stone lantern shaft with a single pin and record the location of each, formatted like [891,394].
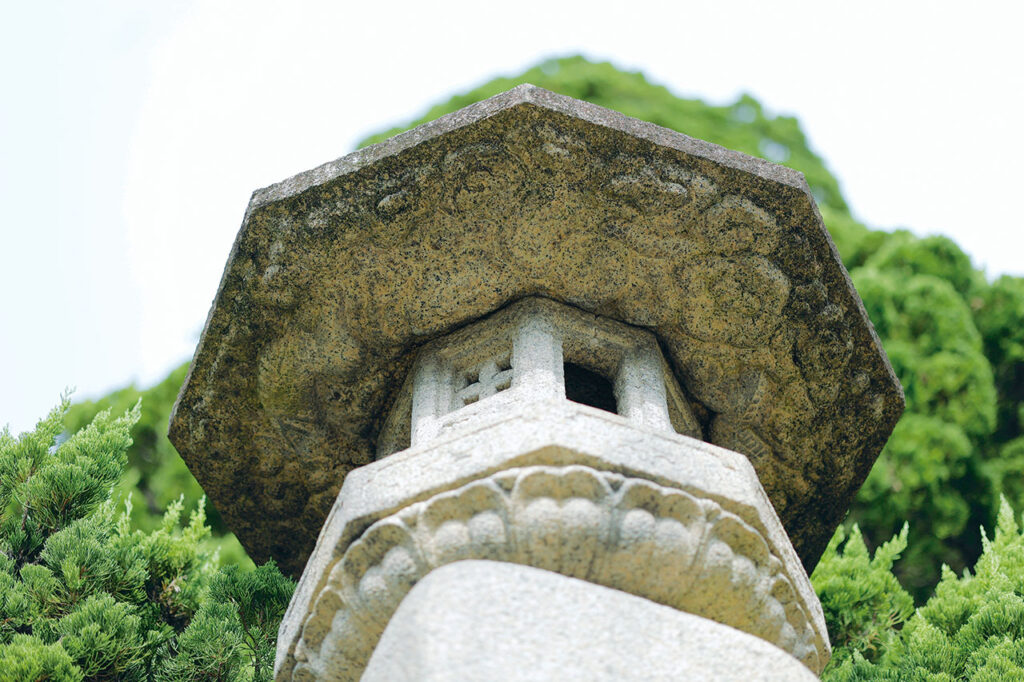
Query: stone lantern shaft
[537,391]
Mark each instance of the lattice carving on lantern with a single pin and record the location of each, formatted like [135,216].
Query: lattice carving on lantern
[532,351]
[484,380]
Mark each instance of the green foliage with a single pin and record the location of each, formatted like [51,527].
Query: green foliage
[84,596]
[941,468]
[971,629]
[259,598]
[235,628]
[44,488]
[999,312]
[862,600]
[905,255]
[103,637]
[210,648]
[156,476]
[28,658]
[922,457]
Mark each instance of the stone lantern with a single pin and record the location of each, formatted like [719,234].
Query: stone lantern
[595,395]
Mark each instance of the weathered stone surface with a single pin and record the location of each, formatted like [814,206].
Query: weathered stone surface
[339,274]
[565,487]
[495,622]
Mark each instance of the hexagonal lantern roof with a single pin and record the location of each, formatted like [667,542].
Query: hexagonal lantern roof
[339,273]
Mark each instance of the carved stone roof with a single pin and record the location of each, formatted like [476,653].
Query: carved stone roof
[340,273]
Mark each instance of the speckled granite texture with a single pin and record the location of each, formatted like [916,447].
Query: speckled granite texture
[339,274]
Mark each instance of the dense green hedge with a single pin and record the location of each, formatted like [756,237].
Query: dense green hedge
[84,596]
[972,628]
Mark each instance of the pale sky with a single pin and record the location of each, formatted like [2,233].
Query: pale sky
[132,134]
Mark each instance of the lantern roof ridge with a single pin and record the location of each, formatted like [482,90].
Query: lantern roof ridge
[527,94]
